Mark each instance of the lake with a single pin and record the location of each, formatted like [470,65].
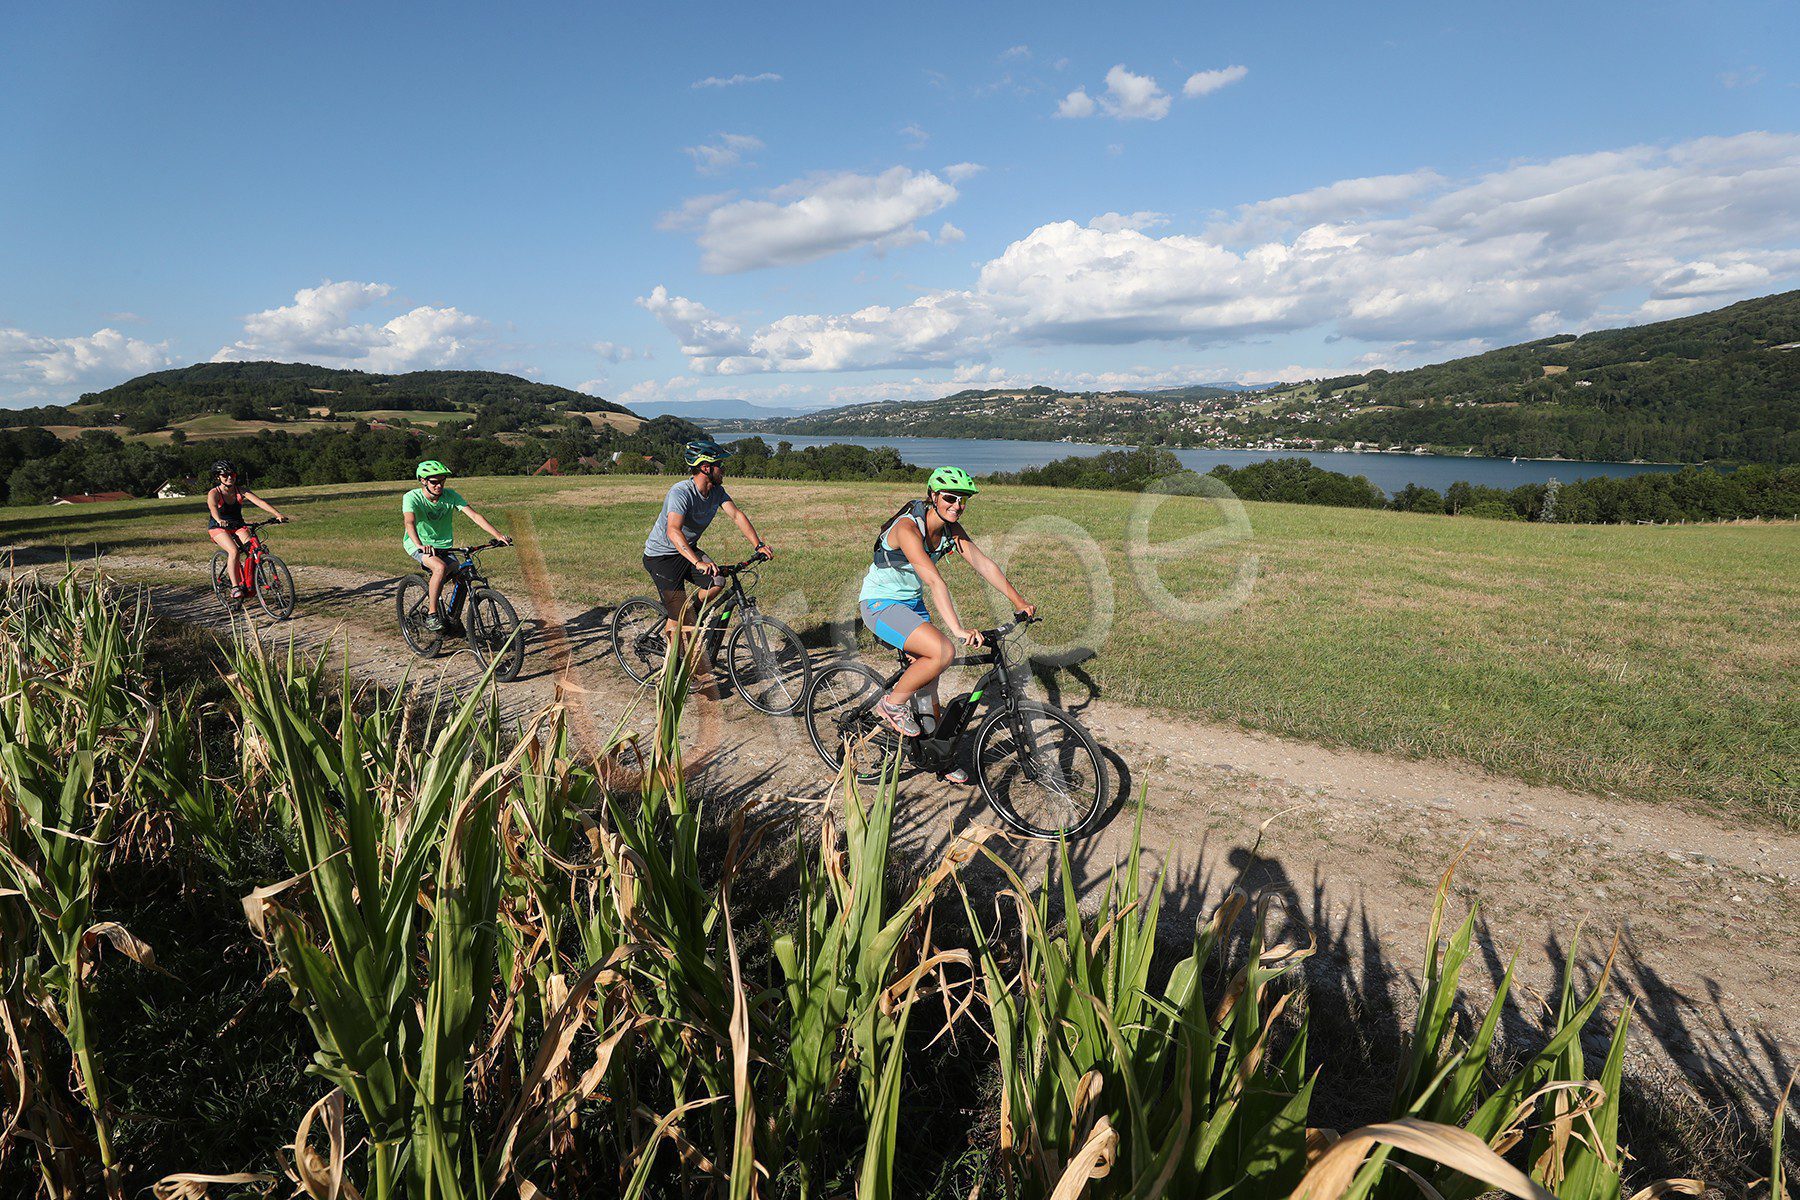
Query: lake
[1389,472]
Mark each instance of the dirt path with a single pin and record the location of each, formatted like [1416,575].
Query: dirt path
[1706,910]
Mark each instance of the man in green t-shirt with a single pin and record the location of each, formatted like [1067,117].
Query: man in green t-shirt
[430,515]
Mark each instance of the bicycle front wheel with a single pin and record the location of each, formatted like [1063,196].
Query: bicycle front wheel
[640,637]
[1042,771]
[275,587]
[769,667]
[411,608]
[494,633]
[840,713]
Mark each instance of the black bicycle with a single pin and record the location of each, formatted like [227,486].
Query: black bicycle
[1043,773]
[767,663]
[470,608]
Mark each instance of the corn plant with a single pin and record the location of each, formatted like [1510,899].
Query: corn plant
[1444,1082]
[846,1010]
[658,896]
[368,843]
[560,946]
[1145,1091]
[1777,1167]
[178,777]
[71,744]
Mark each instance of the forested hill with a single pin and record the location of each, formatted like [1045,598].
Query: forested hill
[277,391]
[1723,385]
[1719,387]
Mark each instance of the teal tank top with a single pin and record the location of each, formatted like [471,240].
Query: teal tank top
[890,575]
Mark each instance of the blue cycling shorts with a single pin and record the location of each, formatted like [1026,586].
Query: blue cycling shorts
[893,620]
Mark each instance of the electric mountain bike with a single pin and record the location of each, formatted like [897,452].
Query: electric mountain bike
[768,666]
[260,574]
[470,608]
[1043,773]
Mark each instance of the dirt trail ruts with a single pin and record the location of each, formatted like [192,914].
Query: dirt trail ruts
[1705,908]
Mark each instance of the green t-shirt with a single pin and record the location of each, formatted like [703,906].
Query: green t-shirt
[434,521]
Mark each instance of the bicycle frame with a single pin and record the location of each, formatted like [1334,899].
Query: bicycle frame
[465,576]
[734,599]
[936,750]
[249,554]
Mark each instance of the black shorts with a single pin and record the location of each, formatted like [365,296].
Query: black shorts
[670,572]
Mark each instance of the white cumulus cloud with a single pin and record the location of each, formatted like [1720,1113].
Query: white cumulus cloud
[725,81]
[1076,104]
[1204,83]
[1128,97]
[1340,201]
[723,152]
[321,326]
[943,328]
[36,369]
[811,218]
[1410,261]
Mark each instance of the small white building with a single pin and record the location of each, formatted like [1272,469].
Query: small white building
[170,491]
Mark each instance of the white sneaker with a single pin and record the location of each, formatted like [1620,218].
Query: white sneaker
[900,716]
[955,775]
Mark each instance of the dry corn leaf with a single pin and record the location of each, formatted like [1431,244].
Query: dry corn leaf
[1455,1148]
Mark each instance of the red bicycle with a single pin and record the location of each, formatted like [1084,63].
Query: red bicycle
[259,573]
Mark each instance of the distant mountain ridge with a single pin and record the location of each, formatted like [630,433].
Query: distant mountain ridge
[714,410]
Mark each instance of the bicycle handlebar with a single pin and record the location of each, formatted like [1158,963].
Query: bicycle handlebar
[255,525]
[493,544]
[1019,621]
[734,568]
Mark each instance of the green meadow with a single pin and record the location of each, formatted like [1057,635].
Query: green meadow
[1650,662]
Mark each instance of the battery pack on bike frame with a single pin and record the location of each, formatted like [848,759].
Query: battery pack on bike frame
[936,750]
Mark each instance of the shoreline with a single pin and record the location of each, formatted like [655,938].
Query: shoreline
[738,431]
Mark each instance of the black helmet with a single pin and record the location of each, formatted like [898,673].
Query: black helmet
[224,467]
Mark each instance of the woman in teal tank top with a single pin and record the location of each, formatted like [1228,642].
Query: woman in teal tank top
[903,568]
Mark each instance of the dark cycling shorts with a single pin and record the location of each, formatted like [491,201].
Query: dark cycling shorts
[671,571]
[227,526]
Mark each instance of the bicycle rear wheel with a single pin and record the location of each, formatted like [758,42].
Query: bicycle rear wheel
[640,637]
[1042,771]
[769,667]
[411,608]
[494,633]
[275,587]
[839,707]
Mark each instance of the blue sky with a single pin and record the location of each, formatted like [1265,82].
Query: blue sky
[822,205]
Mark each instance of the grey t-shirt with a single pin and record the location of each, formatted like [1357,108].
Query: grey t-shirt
[696,511]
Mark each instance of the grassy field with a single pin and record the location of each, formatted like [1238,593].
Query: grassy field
[436,416]
[624,422]
[218,425]
[1653,662]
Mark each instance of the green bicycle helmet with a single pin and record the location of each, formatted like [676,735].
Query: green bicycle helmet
[430,467]
[704,450]
[952,479]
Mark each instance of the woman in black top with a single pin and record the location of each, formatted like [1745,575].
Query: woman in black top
[225,520]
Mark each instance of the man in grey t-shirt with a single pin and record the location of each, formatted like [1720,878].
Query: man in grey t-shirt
[672,554]
[696,510]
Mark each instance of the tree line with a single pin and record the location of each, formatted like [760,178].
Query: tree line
[1690,494]
[36,466]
